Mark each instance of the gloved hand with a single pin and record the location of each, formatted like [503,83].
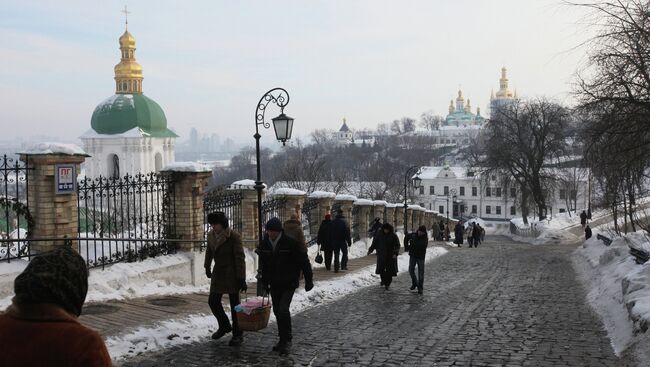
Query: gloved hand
[242,285]
[309,285]
[208,273]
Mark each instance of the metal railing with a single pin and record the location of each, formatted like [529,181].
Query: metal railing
[226,201]
[16,222]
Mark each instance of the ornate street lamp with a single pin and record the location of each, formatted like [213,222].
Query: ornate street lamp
[417,181]
[283,126]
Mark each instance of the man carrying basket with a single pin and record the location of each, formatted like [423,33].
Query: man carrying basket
[228,275]
[281,261]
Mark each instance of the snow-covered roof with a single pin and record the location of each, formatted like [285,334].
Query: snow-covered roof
[136,132]
[322,195]
[55,148]
[286,191]
[363,202]
[430,173]
[186,167]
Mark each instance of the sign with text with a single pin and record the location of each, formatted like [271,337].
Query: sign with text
[65,178]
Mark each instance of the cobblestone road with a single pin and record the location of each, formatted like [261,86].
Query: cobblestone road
[503,304]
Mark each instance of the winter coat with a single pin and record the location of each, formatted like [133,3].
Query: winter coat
[587,233]
[376,226]
[281,267]
[340,233]
[476,234]
[326,235]
[583,218]
[293,229]
[458,234]
[229,269]
[387,246]
[416,245]
[36,335]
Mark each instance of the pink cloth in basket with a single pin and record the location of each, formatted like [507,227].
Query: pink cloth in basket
[253,303]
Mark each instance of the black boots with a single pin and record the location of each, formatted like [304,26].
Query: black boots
[221,332]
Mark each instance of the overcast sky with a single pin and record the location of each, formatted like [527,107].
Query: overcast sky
[207,63]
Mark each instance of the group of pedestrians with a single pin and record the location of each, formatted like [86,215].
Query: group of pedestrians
[334,239]
[474,233]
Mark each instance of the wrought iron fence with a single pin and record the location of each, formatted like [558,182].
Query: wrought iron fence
[310,221]
[16,222]
[227,201]
[273,207]
[126,219]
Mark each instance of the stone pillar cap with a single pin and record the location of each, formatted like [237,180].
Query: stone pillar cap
[345,197]
[285,191]
[322,195]
[363,202]
[55,149]
[189,167]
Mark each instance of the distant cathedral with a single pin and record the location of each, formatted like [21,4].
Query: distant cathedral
[344,135]
[129,133]
[504,95]
[462,115]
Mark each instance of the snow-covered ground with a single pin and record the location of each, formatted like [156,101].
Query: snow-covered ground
[548,231]
[198,327]
[618,288]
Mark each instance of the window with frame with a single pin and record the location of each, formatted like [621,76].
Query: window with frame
[513,192]
[488,192]
[488,209]
[446,190]
[462,191]
[513,210]
[441,209]
[474,209]
[498,209]
[421,190]
[474,191]
[432,190]
[562,194]
[498,193]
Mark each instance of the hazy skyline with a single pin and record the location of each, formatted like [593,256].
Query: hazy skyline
[207,63]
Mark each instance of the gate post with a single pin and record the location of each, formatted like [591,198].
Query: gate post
[189,190]
[295,199]
[325,200]
[389,214]
[345,203]
[55,215]
[365,209]
[249,215]
[379,208]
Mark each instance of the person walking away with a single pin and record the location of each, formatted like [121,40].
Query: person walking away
[326,239]
[478,231]
[41,327]
[228,276]
[587,232]
[293,228]
[374,228]
[468,233]
[342,240]
[583,218]
[416,245]
[387,246]
[441,226]
[458,234]
[281,260]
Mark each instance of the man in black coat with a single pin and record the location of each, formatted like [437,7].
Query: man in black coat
[374,228]
[587,232]
[458,233]
[281,261]
[341,239]
[387,245]
[583,218]
[416,245]
[325,239]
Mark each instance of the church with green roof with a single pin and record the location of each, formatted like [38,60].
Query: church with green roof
[129,132]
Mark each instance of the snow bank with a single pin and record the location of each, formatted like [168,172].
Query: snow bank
[55,148]
[322,195]
[187,167]
[198,327]
[618,288]
[542,232]
[289,192]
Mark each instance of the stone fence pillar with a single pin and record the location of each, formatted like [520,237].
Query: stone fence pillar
[399,217]
[295,199]
[189,192]
[389,214]
[378,209]
[55,215]
[409,219]
[345,203]
[249,216]
[325,200]
[364,212]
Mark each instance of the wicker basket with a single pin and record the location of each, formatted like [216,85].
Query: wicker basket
[257,320]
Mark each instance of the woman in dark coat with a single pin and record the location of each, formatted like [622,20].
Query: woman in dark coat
[326,240]
[458,233]
[387,245]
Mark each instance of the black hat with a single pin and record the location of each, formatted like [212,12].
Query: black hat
[422,229]
[59,277]
[274,225]
[387,226]
[218,218]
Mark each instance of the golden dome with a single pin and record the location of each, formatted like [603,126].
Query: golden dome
[127,40]
[460,96]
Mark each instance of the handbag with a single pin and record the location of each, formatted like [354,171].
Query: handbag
[319,257]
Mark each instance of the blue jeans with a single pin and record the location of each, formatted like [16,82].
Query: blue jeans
[419,280]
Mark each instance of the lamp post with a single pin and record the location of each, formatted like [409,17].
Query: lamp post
[283,126]
[450,194]
[417,181]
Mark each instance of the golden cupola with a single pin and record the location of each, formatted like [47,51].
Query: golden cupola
[128,73]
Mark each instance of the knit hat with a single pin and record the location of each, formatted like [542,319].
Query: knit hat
[274,225]
[218,218]
[59,277]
